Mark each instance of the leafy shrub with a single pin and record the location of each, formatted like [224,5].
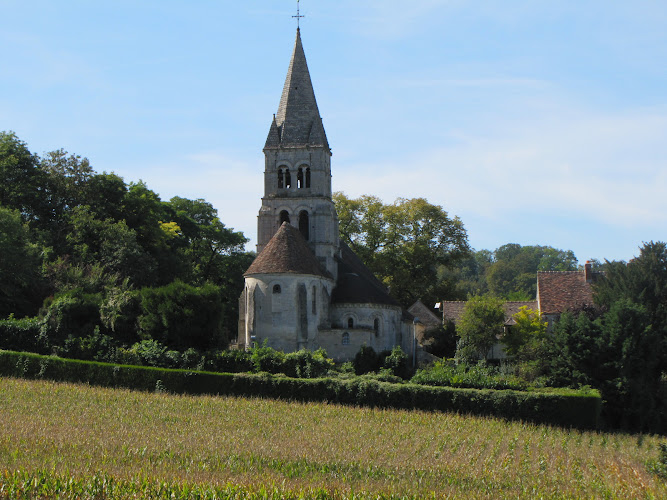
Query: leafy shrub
[94,347]
[479,376]
[397,363]
[231,361]
[366,360]
[567,408]
[180,316]
[23,335]
[73,313]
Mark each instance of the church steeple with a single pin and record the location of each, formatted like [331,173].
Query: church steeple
[298,120]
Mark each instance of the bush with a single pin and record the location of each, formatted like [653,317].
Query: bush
[397,363]
[180,316]
[366,360]
[479,376]
[567,408]
[23,334]
[74,313]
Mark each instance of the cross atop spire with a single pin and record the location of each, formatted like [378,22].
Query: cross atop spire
[298,15]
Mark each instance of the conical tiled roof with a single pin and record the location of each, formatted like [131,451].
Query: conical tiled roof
[287,252]
[298,118]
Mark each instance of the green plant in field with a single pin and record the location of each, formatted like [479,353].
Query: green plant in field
[659,466]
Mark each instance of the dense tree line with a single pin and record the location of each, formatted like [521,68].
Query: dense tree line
[91,256]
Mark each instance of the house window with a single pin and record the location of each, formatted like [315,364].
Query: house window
[350,323]
[346,339]
[276,289]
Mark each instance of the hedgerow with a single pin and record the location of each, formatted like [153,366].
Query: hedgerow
[566,407]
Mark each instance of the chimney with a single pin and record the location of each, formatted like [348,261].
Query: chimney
[588,271]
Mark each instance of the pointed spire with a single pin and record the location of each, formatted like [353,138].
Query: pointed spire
[298,113]
[273,140]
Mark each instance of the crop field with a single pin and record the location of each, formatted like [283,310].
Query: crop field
[69,441]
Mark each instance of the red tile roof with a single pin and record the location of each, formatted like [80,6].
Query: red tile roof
[560,291]
[453,310]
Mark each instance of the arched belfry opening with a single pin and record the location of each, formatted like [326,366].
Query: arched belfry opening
[304,225]
[307,177]
[284,217]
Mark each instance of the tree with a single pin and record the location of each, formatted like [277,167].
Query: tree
[512,274]
[403,243]
[523,338]
[21,287]
[20,177]
[480,327]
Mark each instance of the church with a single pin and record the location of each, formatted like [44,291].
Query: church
[306,289]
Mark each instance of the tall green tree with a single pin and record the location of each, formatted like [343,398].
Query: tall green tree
[404,243]
[20,176]
[480,327]
[21,284]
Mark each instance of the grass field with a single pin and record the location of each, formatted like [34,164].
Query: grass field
[77,441]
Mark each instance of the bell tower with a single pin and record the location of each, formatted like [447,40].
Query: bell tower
[297,170]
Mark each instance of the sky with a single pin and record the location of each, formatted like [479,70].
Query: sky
[535,122]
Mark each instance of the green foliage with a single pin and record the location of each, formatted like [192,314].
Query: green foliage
[397,363]
[20,267]
[480,327]
[659,467]
[23,334]
[181,315]
[523,339]
[366,360]
[573,409]
[74,313]
[508,272]
[441,341]
[477,376]
[20,177]
[403,243]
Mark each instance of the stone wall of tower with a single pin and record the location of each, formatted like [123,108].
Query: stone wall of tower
[312,197]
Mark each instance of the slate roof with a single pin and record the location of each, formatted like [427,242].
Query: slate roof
[453,310]
[357,284]
[560,291]
[425,314]
[287,252]
[298,121]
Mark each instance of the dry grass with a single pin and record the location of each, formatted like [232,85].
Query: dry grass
[81,432]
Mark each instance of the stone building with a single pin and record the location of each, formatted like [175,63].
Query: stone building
[306,288]
[557,292]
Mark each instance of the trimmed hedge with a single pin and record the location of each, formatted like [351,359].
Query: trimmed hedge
[563,408]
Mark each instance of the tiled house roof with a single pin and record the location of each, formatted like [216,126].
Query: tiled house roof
[560,291]
[453,310]
[357,284]
[425,315]
[287,252]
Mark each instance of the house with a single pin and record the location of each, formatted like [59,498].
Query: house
[306,289]
[557,292]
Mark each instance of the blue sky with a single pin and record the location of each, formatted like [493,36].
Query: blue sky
[535,122]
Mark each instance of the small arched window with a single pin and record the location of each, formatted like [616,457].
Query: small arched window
[280,178]
[376,325]
[314,300]
[304,226]
[346,339]
[276,289]
[299,179]
[350,322]
[288,179]
[307,177]
[284,217]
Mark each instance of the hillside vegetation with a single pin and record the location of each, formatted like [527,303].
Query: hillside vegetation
[77,441]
